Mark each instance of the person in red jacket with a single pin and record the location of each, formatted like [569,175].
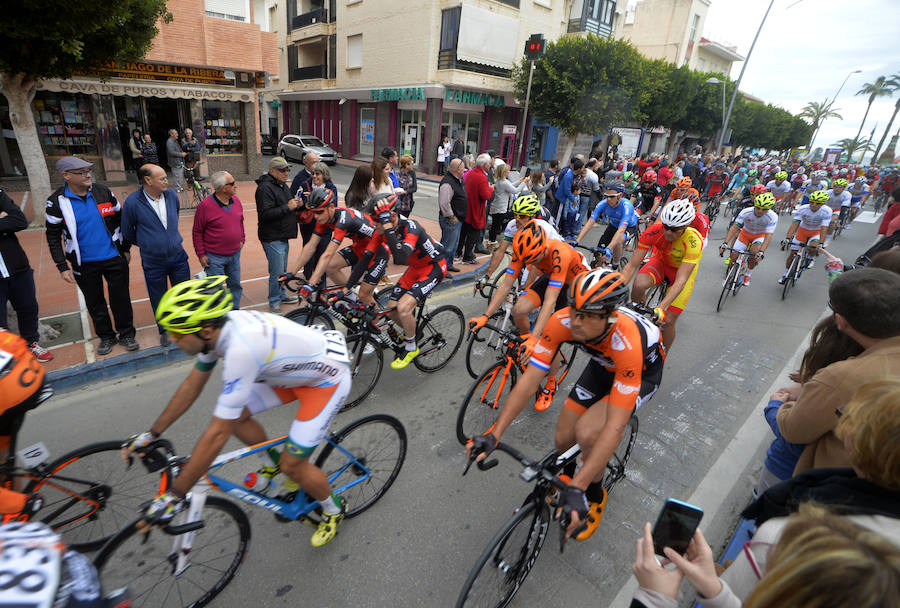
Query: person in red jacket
[892,212]
[479,192]
[644,164]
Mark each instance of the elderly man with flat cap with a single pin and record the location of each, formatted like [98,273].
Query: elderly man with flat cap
[85,240]
[276,208]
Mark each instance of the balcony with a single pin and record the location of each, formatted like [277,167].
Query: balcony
[319,21]
[309,72]
[317,16]
[447,61]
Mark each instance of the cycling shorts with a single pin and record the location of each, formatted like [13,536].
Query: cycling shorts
[745,239]
[318,407]
[11,420]
[802,236]
[377,266]
[419,282]
[538,290]
[661,271]
[611,231]
[596,382]
[715,189]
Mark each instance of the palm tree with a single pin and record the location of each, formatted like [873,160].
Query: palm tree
[817,113]
[896,79]
[883,86]
[852,146]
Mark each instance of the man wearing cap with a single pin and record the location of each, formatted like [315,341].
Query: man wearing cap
[87,216]
[276,208]
[150,221]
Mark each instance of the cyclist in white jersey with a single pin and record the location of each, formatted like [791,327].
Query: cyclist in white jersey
[809,227]
[752,229]
[525,208]
[839,200]
[859,192]
[780,187]
[268,361]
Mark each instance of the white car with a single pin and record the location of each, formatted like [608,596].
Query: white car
[295,147]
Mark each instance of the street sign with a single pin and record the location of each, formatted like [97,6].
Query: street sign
[534,46]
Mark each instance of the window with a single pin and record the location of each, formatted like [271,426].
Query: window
[354,51]
[234,10]
[449,28]
[609,9]
[222,122]
[701,64]
[694,27]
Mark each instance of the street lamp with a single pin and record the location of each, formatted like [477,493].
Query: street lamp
[831,103]
[722,134]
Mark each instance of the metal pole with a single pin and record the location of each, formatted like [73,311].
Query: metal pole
[829,104]
[741,75]
[525,113]
[724,84]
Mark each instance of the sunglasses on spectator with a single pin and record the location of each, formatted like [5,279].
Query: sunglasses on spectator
[229,183]
[673,228]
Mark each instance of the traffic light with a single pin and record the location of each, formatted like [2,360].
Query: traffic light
[534,46]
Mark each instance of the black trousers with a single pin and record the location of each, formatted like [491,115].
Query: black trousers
[90,281]
[468,238]
[18,290]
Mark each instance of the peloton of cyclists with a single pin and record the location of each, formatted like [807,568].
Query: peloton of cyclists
[622,220]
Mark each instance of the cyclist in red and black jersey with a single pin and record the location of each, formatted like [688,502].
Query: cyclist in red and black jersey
[648,194]
[716,180]
[412,246]
[368,254]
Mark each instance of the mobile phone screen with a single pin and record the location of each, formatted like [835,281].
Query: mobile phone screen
[675,526]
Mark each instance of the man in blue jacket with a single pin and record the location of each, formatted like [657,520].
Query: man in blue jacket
[150,220]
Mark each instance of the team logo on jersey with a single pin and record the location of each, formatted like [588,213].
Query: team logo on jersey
[228,387]
[625,389]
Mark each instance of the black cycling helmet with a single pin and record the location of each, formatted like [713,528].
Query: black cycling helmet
[390,198]
[319,197]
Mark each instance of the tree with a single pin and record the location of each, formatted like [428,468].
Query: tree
[704,109]
[818,112]
[883,86]
[852,146]
[585,85]
[895,78]
[55,39]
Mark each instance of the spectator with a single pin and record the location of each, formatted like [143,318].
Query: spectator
[390,155]
[150,220]
[590,193]
[647,161]
[321,178]
[665,176]
[88,218]
[276,208]
[459,147]
[381,179]
[149,151]
[358,191]
[539,186]
[407,181]
[452,207]
[134,144]
[865,304]
[678,172]
[191,148]
[469,161]
[17,278]
[550,178]
[505,192]
[305,218]
[478,193]
[175,158]
[219,233]
[443,151]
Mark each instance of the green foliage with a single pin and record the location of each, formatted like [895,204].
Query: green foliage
[854,145]
[819,111]
[54,38]
[669,93]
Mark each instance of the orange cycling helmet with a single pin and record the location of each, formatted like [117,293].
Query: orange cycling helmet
[600,290]
[757,189]
[530,243]
[684,182]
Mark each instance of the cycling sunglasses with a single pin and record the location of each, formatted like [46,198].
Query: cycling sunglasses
[672,228]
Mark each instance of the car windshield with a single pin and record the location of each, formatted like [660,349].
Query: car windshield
[313,142]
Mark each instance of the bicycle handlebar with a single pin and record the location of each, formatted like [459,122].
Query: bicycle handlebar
[480,287]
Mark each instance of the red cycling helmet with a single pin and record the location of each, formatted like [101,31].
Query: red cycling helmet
[757,189]
[649,175]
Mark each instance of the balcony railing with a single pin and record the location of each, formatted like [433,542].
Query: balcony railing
[309,72]
[320,15]
[447,61]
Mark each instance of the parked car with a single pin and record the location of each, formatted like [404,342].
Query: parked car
[295,147]
[267,144]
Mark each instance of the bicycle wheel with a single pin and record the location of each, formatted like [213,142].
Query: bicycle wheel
[479,409]
[439,334]
[197,196]
[310,316]
[146,564]
[739,279]
[656,294]
[378,443]
[484,346]
[615,468]
[90,494]
[838,228]
[789,280]
[508,559]
[568,351]
[366,363]
[727,285]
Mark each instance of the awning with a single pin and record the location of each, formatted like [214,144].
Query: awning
[487,37]
[145,89]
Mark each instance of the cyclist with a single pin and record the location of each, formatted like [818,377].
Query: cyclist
[676,249]
[859,194]
[737,182]
[780,187]
[525,208]
[558,264]
[623,374]
[631,181]
[683,190]
[648,194]
[622,220]
[367,255]
[410,245]
[839,202]
[809,228]
[267,361]
[716,181]
[752,229]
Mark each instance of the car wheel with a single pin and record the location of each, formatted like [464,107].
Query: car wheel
[331,163]
[283,154]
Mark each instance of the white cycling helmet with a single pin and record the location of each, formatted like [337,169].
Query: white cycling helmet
[678,213]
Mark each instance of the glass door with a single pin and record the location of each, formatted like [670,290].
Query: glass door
[367,132]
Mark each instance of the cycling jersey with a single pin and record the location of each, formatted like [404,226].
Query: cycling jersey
[631,350]
[647,195]
[797,181]
[812,220]
[836,201]
[780,191]
[511,229]
[354,225]
[561,264]
[701,225]
[690,194]
[856,194]
[686,248]
[753,224]
[715,182]
[887,183]
[621,213]
[410,244]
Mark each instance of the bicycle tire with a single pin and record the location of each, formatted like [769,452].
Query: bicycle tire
[569,351]
[789,280]
[838,228]
[117,492]
[366,364]
[356,498]
[739,279]
[479,409]
[507,557]
[726,286]
[439,335]
[131,559]
[484,345]
[310,317]
[615,468]
[656,294]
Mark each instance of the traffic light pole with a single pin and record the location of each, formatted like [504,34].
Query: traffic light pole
[522,133]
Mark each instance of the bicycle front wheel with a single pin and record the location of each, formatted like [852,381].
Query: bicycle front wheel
[366,363]
[615,468]
[310,316]
[789,279]
[484,346]
[656,294]
[482,404]
[508,559]
[147,564]
[90,494]
[439,335]
[377,448]
[726,287]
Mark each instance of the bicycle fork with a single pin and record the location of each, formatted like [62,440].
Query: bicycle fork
[183,543]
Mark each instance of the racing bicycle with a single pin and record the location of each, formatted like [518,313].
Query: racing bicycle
[801,262]
[734,276]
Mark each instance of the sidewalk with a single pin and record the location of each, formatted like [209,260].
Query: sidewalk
[75,360]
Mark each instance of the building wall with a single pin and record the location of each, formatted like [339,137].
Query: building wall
[661,27]
[708,62]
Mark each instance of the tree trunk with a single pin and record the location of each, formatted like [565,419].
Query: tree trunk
[886,131]
[19,92]
[812,138]
[863,123]
[567,153]
[674,142]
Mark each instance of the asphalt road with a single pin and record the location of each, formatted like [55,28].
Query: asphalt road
[417,545]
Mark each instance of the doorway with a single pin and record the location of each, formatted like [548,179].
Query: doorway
[162,115]
[508,146]
[412,142]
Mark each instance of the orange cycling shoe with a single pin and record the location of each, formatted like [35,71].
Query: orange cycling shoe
[545,399]
[595,514]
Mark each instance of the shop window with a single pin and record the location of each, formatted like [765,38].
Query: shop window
[10,157]
[223,126]
[468,124]
[65,124]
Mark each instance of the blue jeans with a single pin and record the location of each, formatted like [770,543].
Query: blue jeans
[449,237]
[160,274]
[230,266]
[277,254]
[583,204]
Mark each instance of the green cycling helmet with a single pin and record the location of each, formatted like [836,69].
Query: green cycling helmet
[527,204]
[840,183]
[751,173]
[819,197]
[766,200]
[781,175]
[190,305]
[628,176]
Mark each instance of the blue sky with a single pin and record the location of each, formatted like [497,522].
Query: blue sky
[805,51]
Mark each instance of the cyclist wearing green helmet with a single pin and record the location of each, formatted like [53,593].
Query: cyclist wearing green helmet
[839,199]
[752,229]
[306,364]
[525,208]
[780,189]
[809,228]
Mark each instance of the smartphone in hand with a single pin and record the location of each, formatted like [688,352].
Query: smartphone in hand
[675,526]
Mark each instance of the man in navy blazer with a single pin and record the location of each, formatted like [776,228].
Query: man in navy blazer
[150,220]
